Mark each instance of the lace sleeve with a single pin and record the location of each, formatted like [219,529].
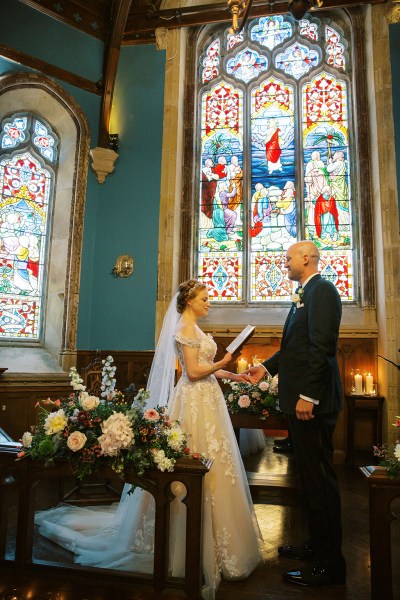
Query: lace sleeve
[186,341]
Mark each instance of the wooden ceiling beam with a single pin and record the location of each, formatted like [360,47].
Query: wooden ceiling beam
[143,22]
[119,14]
[48,69]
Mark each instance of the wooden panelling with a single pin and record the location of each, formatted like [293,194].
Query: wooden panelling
[18,395]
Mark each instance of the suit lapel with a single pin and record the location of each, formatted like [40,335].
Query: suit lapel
[287,323]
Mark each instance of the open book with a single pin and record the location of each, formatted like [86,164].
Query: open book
[239,341]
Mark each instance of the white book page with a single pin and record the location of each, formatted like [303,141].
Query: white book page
[241,339]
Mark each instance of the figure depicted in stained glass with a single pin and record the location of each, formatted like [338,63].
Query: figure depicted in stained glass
[273,143]
[316,178]
[271,31]
[236,182]
[247,65]
[208,187]
[297,60]
[21,251]
[336,168]
[326,216]
[287,207]
[261,209]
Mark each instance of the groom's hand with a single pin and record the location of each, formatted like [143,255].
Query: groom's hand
[304,410]
[255,373]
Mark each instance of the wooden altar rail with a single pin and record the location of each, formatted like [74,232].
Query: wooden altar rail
[25,475]
[382,491]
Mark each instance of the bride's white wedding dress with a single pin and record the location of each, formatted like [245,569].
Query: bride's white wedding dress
[121,536]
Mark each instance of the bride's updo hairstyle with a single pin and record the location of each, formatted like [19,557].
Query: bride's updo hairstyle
[187,290]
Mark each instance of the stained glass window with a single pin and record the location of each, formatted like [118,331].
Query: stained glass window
[27,161]
[274,156]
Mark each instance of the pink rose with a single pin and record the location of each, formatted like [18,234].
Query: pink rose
[244,401]
[76,441]
[151,415]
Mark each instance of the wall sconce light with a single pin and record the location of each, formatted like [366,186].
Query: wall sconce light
[123,266]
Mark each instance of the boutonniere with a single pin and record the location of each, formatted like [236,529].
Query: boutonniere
[297,297]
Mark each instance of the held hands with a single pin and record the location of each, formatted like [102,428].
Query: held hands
[304,410]
[255,374]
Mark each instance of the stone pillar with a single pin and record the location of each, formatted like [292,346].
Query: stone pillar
[174,41]
[385,206]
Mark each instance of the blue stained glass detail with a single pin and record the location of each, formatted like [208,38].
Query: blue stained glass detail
[13,133]
[274,277]
[271,31]
[220,278]
[247,65]
[44,141]
[297,60]
[330,274]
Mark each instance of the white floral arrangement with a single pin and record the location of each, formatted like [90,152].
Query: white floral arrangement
[90,432]
[389,457]
[257,399]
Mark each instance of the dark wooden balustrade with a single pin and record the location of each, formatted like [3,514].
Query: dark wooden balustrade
[382,491]
[25,475]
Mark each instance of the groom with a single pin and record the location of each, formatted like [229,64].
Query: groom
[310,394]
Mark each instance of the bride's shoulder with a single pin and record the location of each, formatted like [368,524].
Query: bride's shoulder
[186,334]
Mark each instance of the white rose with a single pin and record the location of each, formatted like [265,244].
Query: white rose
[244,401]
[397,451]
[89,402]
[27,439]
[264,385]
[76,441]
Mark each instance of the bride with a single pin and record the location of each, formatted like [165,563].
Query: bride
[121,536]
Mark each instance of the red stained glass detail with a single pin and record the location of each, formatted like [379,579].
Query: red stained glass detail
[222,109]
[334,49]
[270,277]
[14,133]
[324,100]
[272,92]
[228,288]
[19,318]
[43,141]
[340,265]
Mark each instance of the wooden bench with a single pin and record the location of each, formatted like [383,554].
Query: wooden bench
[26,474]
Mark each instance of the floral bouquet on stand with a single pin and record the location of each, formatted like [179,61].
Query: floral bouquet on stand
[254,399]
[390,457]
[90,432]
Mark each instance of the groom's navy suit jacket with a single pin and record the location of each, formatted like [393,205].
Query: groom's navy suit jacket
[306,362]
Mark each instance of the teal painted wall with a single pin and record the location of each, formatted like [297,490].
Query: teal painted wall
[121,215]
[394,35]
[128,208]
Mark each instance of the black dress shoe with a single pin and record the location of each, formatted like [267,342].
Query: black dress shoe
[281,441]
[303,552]
[284,448]
[315,575]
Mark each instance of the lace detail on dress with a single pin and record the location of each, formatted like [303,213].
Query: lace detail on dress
[187,341]
[226,561]
[220,450]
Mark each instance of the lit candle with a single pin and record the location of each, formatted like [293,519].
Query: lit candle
[241,364]
[358,384]
[369,383]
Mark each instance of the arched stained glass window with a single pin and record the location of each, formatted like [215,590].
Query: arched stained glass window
[28,158]
[274,156]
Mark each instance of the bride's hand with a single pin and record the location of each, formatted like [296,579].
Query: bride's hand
[227,359]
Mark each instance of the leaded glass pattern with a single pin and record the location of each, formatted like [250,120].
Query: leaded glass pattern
[26,185]
[274,162]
